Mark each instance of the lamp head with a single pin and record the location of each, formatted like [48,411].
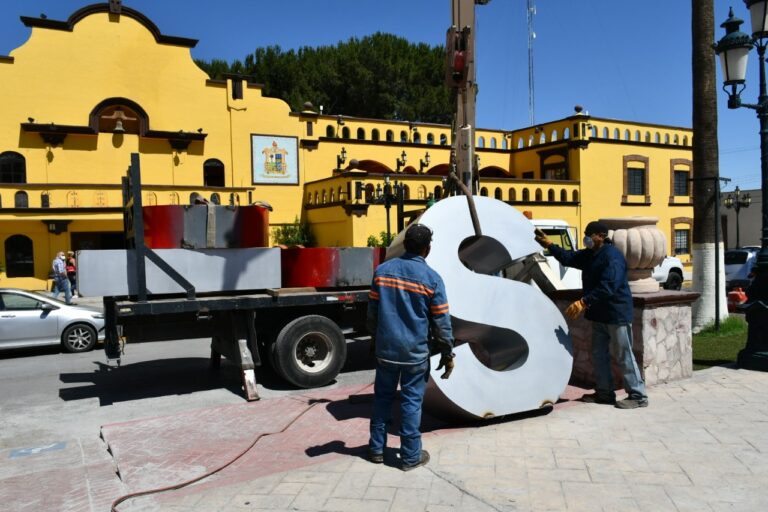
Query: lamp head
[733,50]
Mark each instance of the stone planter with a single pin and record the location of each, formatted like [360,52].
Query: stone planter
[643,245]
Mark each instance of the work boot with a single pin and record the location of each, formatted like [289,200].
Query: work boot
[422,462]
[632,403]
[598,398]
[376,458]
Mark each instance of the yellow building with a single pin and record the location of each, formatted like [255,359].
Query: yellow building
[82,94]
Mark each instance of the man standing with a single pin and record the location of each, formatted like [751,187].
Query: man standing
[608,304]
[60,278]
[406,302]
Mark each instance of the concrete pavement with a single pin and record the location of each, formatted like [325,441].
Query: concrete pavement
[701,445]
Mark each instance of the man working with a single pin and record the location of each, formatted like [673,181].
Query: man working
[60,278]
[407,299]
[608,303]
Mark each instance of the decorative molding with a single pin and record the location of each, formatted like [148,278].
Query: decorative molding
[88,10]
[356,209]
[645,161]
[54,134]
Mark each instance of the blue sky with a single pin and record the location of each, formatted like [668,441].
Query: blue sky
[621,60]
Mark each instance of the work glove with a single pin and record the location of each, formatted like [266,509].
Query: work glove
[446,360]
[541,238]
[575,310]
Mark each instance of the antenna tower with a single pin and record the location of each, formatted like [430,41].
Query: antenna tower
[530,13]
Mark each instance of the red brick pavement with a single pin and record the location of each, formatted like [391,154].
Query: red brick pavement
[168,450]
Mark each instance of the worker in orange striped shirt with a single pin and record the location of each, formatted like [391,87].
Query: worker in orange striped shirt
[407,302]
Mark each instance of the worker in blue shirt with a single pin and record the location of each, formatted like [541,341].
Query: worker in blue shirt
[608,304]
[406,303]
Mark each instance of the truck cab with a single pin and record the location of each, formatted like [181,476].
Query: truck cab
[560,233]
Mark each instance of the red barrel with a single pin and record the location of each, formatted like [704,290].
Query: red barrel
[163,226]
[254,226]
[309,267]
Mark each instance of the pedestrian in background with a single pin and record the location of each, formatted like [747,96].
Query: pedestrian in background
[72,273]
[60,279]
[407,301]
[608,304]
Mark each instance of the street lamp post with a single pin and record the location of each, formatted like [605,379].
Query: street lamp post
[733,50]
[386,196]
[737,201]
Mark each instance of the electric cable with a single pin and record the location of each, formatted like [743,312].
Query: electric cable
[186,483]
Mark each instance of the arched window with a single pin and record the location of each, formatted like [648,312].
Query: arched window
[657,138]
[553,137]
[333,196]
[637,135]
[616,134]
[481,142]
[677,139]
[551,196]
[325,197]
[13,168]
[19,256]
[403,136]
[605,132]
[497,194]
[504,143]
[526,195]
[594,132]
[416,137]
[45,200]
[438,192]
[443,139]
[330,131]
[215,198]
[213,173]
[173,198]
[390,136]
[316,201]
[563,196]
[339,193]
[666,138]
[150,199]
[193,197]
[538,194]
[627,135]
[430,138]
[406,192]
[369,192]
[345,132]
[566,133]
[575,196]
[520,143]
[21,200]
[484,192]
[542,138]
[361,134]
[531,141]
[512,194]
[421,192]
[493,142]
[375,134]
[309,198]
[647,136]
[685,140]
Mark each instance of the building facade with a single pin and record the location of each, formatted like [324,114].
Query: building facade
[82,94]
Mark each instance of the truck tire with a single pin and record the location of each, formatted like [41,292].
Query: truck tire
[674,281]
[310,351]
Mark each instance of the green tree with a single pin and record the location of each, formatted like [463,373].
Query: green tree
[381,76]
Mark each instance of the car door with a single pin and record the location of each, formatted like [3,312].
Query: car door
[23,322]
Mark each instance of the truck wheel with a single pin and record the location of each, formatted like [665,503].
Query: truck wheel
[674,281]
[310,351]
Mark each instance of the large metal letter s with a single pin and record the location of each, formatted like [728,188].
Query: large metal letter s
[514,351]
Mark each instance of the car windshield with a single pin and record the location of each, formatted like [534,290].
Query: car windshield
[735,257]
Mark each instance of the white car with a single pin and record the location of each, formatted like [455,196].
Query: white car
[669,273]
[738,267]
[30,319]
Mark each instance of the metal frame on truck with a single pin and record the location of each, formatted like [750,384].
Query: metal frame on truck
[300,330]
